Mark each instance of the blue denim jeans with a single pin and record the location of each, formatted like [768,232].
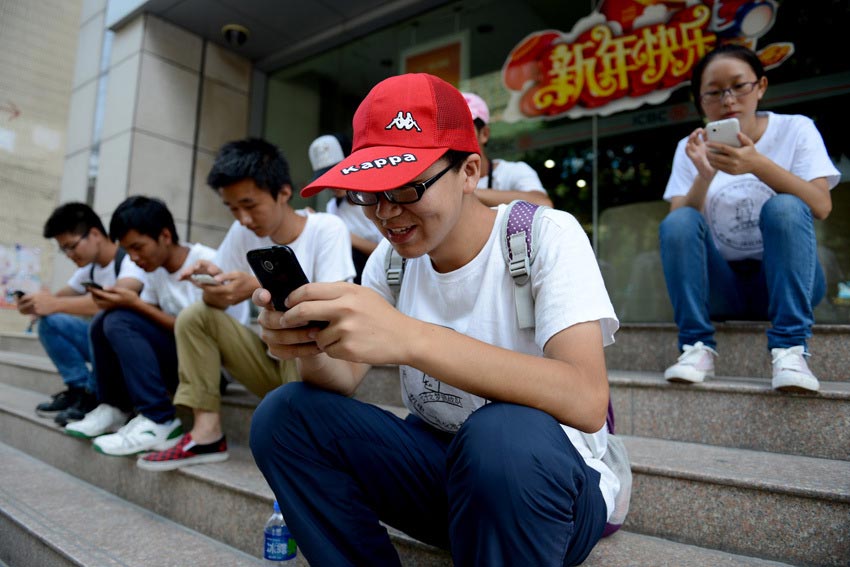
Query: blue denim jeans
[508,489]
[783,288]
[135,363]
[66,340]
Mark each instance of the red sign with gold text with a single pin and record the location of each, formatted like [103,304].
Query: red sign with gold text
[628,53]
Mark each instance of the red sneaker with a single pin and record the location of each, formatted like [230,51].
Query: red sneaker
[185,453]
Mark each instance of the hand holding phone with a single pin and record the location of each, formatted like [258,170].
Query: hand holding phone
[204,279]
[92,285]
[724,132]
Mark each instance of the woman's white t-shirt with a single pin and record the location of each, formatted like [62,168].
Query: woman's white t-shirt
[478,300]
[733,202]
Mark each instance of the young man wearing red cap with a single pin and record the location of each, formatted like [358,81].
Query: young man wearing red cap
[491,462]
[502,181]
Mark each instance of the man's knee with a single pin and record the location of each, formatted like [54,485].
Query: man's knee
[47,325]
[117,321]
[278,407]
[492,434]
[195,316]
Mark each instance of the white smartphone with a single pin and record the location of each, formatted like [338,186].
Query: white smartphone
[724,132]
[204,279]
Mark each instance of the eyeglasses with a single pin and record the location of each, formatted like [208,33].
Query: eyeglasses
[404,195]
[68,248]
[738,91]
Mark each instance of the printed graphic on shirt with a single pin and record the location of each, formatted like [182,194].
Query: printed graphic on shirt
[733,213]
[440,405]
[403,121]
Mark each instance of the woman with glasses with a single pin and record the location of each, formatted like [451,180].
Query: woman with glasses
[739,242]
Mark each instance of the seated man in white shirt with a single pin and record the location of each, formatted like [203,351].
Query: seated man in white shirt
[64,316]
[252,178]
[132,339]
[502,181]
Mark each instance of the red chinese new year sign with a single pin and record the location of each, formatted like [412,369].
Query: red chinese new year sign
[628,53]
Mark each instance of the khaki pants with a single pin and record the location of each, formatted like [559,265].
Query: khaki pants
[207,339]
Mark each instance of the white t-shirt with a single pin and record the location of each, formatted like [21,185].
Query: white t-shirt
[354,219]
[105,275]
[478,300]
[323,249]
[733,202]
[512,176]
[168,291]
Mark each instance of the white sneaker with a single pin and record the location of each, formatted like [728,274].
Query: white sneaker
[102,419]
[695,363]
[790,371]
[140,435]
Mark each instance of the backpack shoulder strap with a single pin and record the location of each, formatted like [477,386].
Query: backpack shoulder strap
[394,265]
[119,257]
[519,233]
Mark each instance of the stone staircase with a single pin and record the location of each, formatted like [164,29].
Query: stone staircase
[726,473]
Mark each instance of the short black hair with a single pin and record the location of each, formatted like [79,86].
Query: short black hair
[456,157]
[731,50]
[74,218]
[146,215]
[252,158]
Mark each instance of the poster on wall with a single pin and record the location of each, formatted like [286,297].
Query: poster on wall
[627,53]
[446,58]
[19,271]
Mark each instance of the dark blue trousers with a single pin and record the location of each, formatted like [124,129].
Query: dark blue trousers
[508,489]
[135,363]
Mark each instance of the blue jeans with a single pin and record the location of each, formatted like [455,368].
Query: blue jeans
[784,287]
[509,488]
[135,363]
[66,340]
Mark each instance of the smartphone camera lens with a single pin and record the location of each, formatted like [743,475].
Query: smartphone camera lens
[268,265]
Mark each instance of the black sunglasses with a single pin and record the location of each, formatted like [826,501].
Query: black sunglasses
[404,195]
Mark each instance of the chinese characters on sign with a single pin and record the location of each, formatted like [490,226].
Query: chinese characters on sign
[599,68]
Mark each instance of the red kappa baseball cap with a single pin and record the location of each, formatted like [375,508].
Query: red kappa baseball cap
[404,125]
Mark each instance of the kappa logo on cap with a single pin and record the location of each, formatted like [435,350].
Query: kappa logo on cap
[378,163]
[403,122]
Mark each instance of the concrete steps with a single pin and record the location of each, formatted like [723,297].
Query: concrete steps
[742,346]
[727,465]
[50,518]
[236,498]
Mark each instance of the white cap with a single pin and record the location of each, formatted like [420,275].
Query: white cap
[325,152]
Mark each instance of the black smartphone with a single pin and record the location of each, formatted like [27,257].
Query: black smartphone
[17,294]
[278,270]
[91,285]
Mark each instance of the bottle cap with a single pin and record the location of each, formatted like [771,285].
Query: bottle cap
[276,507]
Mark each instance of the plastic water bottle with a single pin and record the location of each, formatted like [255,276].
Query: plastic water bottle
[279,547]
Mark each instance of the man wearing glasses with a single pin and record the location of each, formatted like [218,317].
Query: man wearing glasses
[64,316]
[490,457]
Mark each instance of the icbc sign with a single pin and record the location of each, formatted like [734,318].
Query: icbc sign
[628,53]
